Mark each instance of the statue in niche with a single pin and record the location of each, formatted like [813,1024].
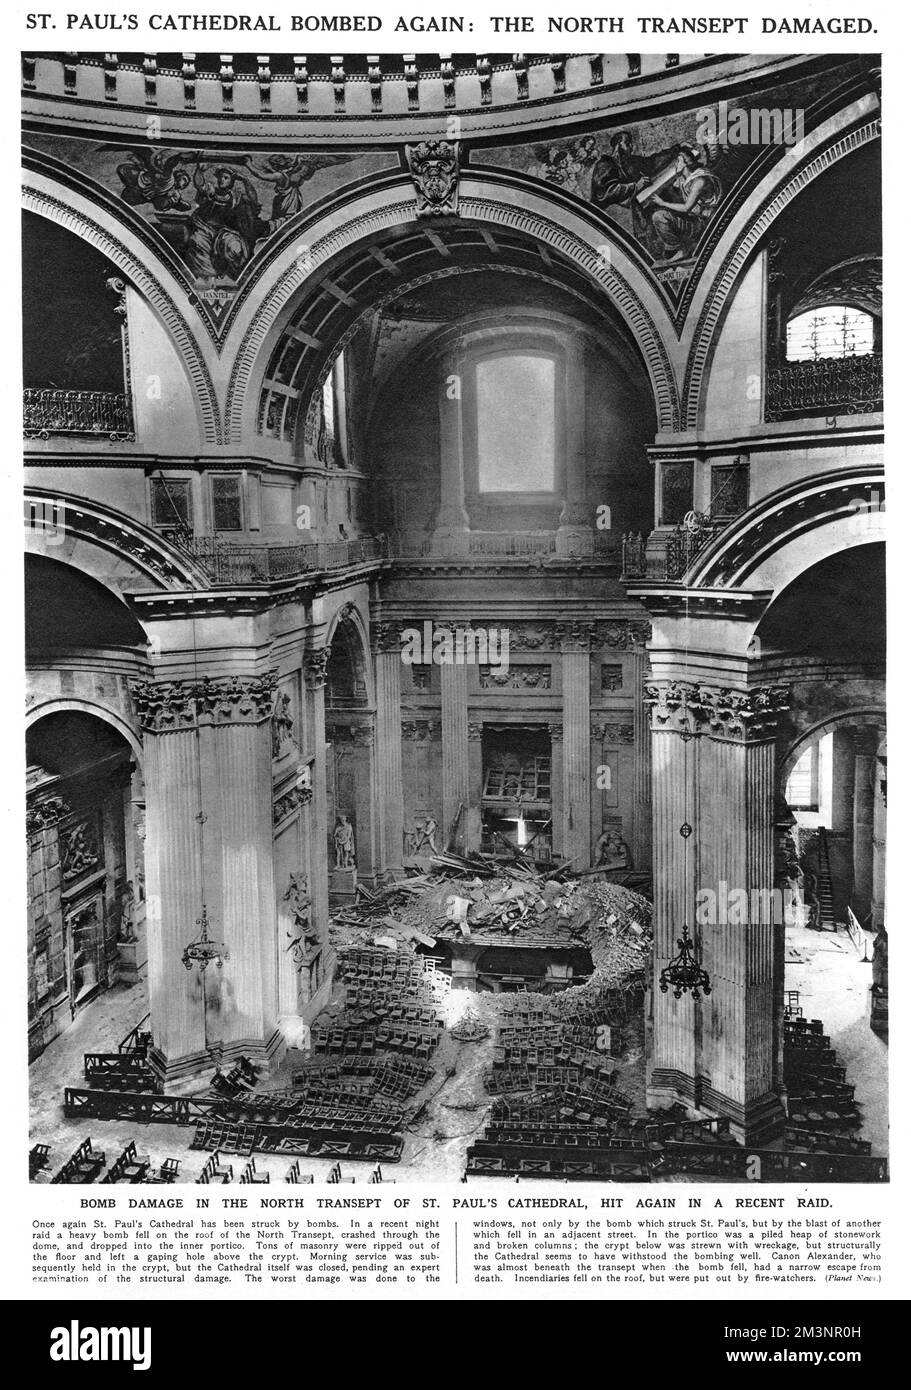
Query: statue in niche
[282,725]
[297,895]
[127,933]
[612,851]
[343,837]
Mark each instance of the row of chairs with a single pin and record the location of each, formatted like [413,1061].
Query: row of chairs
[83,1165]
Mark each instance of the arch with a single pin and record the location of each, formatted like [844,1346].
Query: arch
[42,708]
[862,717]
[48,198]
[483,197]
[83,533]
[349,627]
[851,128]
[785,533]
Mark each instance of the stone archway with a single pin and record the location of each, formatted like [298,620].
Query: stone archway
[485,198]
[351,764]
[85,818]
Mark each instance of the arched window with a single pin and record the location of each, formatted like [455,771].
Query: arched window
[516,422]
[833,330]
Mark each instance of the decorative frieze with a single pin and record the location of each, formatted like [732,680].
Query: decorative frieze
[717,712]
[613,733]
[421,730]
[620,634]
[169,706]
[514,677]
[290,802]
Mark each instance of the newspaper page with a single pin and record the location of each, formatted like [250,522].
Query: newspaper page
[454,632]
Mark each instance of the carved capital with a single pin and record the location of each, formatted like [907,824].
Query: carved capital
[475,733]
[740,716]
[41,815]
[170,706]
[386,638]
[434,169]
[316,663]
[556,732]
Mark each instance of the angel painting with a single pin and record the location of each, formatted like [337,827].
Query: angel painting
[288,174]
[153,176]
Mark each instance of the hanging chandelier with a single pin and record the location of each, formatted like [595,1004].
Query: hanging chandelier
[202,951]
[683,974]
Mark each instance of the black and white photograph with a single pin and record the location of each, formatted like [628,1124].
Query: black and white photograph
[455,618]
[452,645]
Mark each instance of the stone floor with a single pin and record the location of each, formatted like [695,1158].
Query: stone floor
[834,985]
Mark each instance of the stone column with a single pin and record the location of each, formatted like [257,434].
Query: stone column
[576,677]
[369,840]
[575,535]
[642,753]
[389,812]
[208,762]
[316,661]
[451,534]
[475,786]
[879,848]
[556,788]
[843,782]
[865,745]
[454,719]
[714,779]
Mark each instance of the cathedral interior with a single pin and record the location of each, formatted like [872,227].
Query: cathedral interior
[455,615]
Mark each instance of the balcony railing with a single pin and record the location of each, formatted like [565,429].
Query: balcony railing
[843,385]
[47,411]
[264,564]
[505,545]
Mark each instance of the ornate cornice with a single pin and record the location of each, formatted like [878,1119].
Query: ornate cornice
[739,716]
[171,706]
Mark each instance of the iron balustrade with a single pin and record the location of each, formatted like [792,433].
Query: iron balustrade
[47,411]
[847,385]
[225,563]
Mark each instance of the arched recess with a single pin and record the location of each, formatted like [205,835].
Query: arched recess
[119,552]
[861,717]
[347,633]
[128,730]
[483,199]
[856,125]
[121,245]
